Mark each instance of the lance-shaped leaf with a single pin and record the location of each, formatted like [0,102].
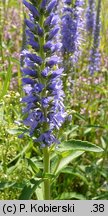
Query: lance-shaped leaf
[61,161]
[28,190]
[79,145]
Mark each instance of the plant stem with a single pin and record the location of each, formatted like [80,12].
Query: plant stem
[46,161]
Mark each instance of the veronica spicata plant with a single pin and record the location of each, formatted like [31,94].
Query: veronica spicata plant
[71,37]
[94,53]
[44,112]
[91,16]
[71,28]
[42,82]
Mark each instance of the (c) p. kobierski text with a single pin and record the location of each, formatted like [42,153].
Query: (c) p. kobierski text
[48,208]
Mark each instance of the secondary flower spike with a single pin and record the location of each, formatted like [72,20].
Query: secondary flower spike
[94,53]
[72,24]
[44,111]
[91,16]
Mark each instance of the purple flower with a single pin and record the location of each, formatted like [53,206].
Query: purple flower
[68,32]
[28,81]
[53,60]
[45,72]
[94,53]
[42,73]
[52,46]
[43,4]
[32,8]
[29,63]
[91,16]
[45,102]
[29,72]
[29,34]
[34,45]
[53,32]
[33,57]
[68,1]
[48,45]
[39,30]
[27,89]
[47,138]
[30,25]
[33,119]
[48,20]
[57,72]
[72,25]
[29,99]
[51,5]
[38,88]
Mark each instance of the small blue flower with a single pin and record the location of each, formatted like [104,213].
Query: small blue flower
[33,9]
[33,57]
[53,32]
[38,87]
[45,72]
[57,72]
[53,60]
[47,138]
[68,2]
[28,81]
[29,72]
[30,25]
[45,101]
[52,46]
[29,99]
[51,6]
[29,63]
[43,4]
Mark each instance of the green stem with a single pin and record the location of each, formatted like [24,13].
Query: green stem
[46,161]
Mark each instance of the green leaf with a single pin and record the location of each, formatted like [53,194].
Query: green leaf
[33,165]
[5,185]
[60,163]
[7,80]
[13,59]
[74,128]
[94,126]
[1,113]
[39,192]
[103,196]
[78,145]
[14,131]
[49,176]
[20,155]
[69,170]
[28,190]
[70,195]
[87,130]
[104,144]
[79,116]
